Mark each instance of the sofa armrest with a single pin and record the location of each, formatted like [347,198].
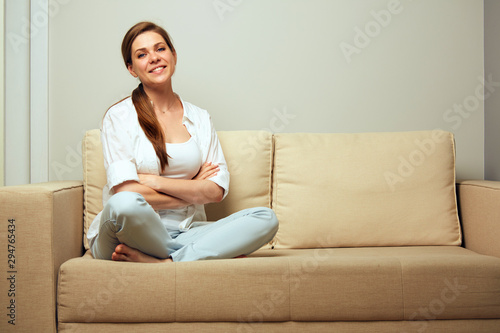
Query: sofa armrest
[41,227]
[479,209]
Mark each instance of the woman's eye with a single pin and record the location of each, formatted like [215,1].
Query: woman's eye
[142,55]
[161,49]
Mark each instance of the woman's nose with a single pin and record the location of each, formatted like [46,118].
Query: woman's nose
[154,57]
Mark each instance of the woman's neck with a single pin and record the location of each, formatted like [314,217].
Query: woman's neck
[164,98]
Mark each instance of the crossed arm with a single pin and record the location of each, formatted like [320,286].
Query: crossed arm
[168,193]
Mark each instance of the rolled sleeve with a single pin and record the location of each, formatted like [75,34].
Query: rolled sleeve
[118,147]
[121,171]
[222,179]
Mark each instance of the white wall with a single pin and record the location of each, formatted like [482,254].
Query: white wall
[17,92]
[262,59]
[492,104]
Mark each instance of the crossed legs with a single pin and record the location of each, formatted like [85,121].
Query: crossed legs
[130,230]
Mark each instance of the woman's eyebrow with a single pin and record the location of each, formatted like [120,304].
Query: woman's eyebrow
[145,48]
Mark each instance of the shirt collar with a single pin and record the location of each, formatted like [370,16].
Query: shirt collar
[188,113]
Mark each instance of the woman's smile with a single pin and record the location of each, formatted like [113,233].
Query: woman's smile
[153,62]
[158,69]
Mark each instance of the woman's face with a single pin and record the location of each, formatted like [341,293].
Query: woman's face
[152,60]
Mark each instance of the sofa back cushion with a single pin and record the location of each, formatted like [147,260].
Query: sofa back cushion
[249,158]
[371,189]
[94,179]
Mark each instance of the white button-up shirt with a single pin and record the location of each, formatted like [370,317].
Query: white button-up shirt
[128,152]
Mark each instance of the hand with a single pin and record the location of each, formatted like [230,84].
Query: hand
[149,181]
[207,170]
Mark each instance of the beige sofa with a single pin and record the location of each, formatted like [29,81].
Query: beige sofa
[369,241]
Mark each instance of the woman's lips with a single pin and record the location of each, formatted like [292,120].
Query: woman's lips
[158,69]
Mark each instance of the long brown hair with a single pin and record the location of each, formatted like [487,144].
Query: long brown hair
[145,112]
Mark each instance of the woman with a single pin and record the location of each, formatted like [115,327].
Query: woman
[163,163]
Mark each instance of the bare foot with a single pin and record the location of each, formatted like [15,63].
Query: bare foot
[126,253]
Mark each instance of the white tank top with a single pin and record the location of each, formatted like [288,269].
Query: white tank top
[184,162]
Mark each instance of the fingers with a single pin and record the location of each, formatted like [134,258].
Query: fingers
[209,165]
[208,170]
[145,177]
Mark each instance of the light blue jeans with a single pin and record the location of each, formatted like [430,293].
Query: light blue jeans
[128,219]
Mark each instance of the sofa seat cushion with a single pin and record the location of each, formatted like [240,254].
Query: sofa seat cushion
[342,284]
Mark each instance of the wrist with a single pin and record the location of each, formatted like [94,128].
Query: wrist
[158,183]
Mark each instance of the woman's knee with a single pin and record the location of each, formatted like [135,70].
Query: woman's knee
[268,218]
[127,204]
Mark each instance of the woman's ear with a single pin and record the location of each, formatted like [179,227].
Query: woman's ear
[131,70]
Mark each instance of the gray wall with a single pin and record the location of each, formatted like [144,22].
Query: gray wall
[492,104]
[282,65]
[2,87]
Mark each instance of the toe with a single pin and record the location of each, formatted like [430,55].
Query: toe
[119,257]
[122,249]
[119,248]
